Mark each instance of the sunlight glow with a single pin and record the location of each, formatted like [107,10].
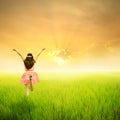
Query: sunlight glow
[60,60]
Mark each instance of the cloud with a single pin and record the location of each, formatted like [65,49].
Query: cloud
[73,24]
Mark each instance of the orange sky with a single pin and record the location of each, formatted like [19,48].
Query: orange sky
[90,29]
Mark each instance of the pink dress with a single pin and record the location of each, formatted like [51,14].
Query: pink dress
[26,76]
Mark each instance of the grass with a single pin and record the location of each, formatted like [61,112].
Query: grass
[62,96]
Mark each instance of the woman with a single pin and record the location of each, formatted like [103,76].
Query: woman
[29,77]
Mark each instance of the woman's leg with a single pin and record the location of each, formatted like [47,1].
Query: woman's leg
[27,87]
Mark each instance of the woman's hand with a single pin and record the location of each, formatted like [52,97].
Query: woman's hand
[43,49]
[14,49]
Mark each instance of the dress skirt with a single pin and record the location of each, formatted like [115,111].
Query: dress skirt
[26,77]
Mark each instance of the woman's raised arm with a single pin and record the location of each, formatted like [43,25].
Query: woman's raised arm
[39,54]
[18,54]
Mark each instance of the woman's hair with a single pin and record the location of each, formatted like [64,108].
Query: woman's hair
[29,61]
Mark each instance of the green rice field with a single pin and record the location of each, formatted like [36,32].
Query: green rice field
[61,96]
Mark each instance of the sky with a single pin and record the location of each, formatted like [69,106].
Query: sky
[90,29]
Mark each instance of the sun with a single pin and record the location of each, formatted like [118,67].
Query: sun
[60,60]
